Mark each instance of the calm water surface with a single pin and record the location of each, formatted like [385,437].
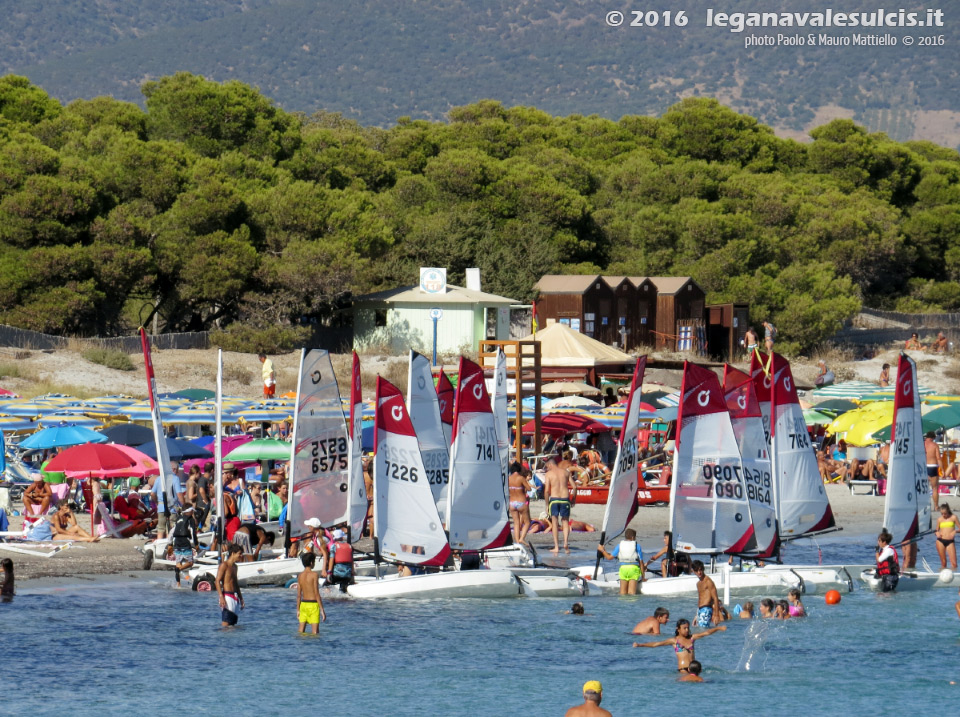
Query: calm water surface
[145,647]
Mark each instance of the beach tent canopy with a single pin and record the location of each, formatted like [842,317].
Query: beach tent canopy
[563,423]
[859,390]
[562,346]
[568,388]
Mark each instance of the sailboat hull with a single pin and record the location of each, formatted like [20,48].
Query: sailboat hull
[909,581]
[740,584]
[818,579]
[453,584]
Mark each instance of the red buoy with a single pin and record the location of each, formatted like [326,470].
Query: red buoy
[832,597]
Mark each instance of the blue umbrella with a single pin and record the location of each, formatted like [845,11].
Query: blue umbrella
[60,437]
[178,450]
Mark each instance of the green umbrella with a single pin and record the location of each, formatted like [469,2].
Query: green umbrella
[196,394]
[943,416]
[812,417]
[884,433]
[263,449]
[837,405]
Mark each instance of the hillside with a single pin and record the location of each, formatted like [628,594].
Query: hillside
[384,59]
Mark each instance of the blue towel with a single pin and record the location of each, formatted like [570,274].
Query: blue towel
[4,523]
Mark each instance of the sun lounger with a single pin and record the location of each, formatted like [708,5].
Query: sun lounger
[871,485]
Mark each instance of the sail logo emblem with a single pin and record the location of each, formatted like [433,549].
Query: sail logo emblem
[396,412]
[443,405]
[742,402]
[315,378]
[477,391]
[766,381]
[787,383]
[907,387]
[703,398]
[421,382]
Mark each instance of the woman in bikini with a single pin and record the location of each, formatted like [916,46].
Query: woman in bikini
[946,533]
[519,503]
[64,526]
[682,643]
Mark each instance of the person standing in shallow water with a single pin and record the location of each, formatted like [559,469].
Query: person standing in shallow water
[592,696]
[6,585]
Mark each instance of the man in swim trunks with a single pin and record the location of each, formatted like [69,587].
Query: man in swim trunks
[592,696]
[557,485]
[630,556]
[228,587]
[37,496]
[708,610]
[309,605]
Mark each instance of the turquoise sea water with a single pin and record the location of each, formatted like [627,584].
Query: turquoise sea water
[143,647]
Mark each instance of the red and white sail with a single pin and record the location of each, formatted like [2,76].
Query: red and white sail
[446,396]
[802,503]
[406,521]
[907,507]
[622,496]
[423,405]
[320,453]
[708,499]
[741,397]
[477,510]
[500,417]
[357,510]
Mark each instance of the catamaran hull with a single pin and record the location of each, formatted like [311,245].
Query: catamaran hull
[550,582]
[740,584]
[818,579]
[909,581]
[453,584]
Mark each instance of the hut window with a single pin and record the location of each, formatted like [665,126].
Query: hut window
[490,320]
[380,317]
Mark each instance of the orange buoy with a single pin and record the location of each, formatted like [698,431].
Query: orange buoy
[832,597]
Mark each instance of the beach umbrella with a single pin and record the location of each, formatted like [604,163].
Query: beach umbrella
[861,433]
[91,459]
[882,410]
[177,449]
[568,388]
[128,434]
[196,394]
[570,402]
[29,408]
[563,423]
[263,449]
[12,424]
[142,466]
[836,405]
[5,392]
[260,414]
[202,415]
[228,444]
[668,414]
[812,417]
[71,419]
[61,436]
[943,417]
[884,433]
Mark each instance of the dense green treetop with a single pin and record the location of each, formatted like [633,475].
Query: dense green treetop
[213,206]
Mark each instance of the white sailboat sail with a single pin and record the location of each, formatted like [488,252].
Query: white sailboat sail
[802,503]
[163,455]
[407,525]
[500,419]
[446,396]
[622,496]
[423,406]
[907,507]
[320,463]
[357,509]
[741,398]
[708,499]
[477,510]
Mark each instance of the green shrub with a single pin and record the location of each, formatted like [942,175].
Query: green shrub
[111,358]
[244,338]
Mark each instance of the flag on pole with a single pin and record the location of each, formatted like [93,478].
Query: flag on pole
[534,321]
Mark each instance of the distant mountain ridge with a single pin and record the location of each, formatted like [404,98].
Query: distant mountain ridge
[382,59]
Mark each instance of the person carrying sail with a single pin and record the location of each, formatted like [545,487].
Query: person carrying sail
[630,555]
[888,563]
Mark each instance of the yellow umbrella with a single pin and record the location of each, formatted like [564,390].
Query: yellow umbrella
[845,421]
[861,433]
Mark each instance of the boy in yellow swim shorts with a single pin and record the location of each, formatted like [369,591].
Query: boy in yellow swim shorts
[630,555]
[309,605]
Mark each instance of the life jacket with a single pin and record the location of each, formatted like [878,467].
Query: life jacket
[182,528]
[342,552]
[890,566]
[628,552]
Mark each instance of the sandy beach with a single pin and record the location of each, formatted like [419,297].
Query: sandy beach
[860,515]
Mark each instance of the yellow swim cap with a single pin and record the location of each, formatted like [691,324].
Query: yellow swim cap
[593,686]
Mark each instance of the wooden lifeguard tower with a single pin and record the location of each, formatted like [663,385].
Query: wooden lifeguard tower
[524,367]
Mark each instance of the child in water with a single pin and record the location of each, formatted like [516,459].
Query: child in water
[693,673]
[6,585]
[782,610]
[796,607]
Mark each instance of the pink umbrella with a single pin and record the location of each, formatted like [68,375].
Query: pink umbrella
[143,466]
[229,443]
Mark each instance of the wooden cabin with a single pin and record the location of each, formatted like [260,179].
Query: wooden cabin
[581,302]
[726,326]
[680,313]
[645,311]
[624,310]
